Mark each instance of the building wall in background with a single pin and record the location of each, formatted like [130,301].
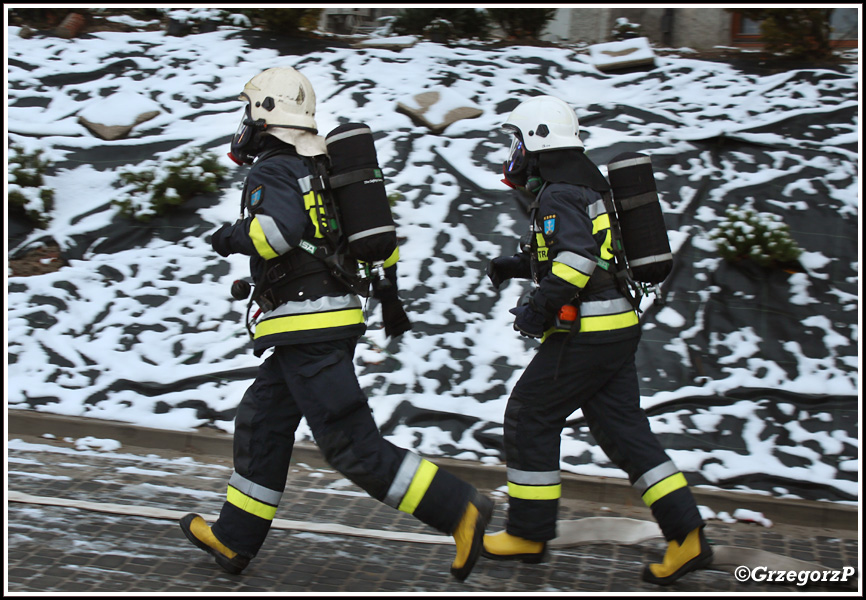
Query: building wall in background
[700,28]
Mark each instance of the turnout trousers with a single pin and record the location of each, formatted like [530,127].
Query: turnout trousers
[317,381]
[601,379]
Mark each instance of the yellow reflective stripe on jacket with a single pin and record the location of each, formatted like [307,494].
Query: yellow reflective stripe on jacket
[323,320]
[603,315]
[535,492]
[569,274]
[541,247]
[260,240]
[419,486]
[602,223]
[663,488]
[250,505]
[315,209]
[609,322]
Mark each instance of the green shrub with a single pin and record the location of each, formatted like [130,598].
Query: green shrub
[199,16]
[462,22]
[154,188]
[522,23]
[793,32]
[27,196]
[763,238]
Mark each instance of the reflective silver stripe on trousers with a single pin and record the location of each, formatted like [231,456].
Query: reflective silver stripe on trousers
[600,308]
[306,184]
[654,475]
[369,232]
[403,479]
[273,235]
[254,490]
[648,260]
[576,262]
[533,477]
[319,305]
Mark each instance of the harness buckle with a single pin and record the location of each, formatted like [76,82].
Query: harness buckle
[276,272]
[266,301]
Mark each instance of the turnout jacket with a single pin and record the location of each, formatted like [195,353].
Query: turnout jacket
[280,212]
[571,240]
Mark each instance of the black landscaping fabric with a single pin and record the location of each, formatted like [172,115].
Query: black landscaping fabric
[803,156]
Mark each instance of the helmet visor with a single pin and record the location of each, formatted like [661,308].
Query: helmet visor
[243,148]
[244,131]
[516,157]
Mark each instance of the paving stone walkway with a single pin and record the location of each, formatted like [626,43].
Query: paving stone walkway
[60,540]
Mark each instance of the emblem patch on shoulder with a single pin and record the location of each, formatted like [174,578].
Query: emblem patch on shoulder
[256,197]
[550,225]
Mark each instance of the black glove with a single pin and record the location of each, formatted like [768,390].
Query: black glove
[393,316]
[528,321]
[219,240]
[504,268]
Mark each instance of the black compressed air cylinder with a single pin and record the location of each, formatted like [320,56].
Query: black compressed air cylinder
[642,222]
[359,190]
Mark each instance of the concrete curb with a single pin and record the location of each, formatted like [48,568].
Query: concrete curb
[210,442]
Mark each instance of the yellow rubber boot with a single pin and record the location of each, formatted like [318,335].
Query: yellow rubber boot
[504,546]
[694,553]
[469,535]
[198,532]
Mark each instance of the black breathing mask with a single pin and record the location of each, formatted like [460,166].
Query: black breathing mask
[246,141]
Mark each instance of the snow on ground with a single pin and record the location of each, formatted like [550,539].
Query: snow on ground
[751,379]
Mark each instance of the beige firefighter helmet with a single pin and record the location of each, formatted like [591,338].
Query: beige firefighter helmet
[283,98]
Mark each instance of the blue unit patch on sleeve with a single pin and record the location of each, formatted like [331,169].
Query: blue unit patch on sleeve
[256,197]
[549,225]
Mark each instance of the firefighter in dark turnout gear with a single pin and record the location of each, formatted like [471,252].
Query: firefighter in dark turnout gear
[310,321]
[589,332]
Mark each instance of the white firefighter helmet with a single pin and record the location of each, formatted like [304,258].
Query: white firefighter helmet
[545,123]
[283,99]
